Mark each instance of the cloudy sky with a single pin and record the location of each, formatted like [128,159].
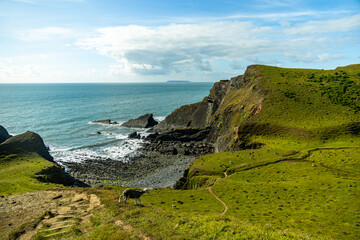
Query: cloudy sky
[160,40]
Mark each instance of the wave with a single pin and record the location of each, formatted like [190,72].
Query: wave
[95,145]
[121,151]
[160,118]
[110,135]
[125,150]
[114,135]
[76,155]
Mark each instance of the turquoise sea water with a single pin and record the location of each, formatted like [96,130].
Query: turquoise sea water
[62,113]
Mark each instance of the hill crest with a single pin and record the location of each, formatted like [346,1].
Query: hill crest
[303,103]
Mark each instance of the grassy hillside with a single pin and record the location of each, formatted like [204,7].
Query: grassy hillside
[298,179]
[300,104]
[310,99]
[167,214]
[27,172]
[305,177]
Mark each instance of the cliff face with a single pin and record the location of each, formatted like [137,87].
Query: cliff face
[271,101]
[197,115]
[229,103]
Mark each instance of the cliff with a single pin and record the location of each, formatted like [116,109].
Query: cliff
[302,103]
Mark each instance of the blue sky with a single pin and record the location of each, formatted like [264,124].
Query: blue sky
[146,41]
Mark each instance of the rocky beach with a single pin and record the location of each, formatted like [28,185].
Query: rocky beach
[160,162]
[169,146]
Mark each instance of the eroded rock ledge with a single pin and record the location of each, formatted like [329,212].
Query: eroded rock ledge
[144,121]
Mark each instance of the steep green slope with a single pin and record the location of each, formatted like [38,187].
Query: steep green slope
[26,165]
[296,175]
[28,172]
[301,168]
[310,98]
[298,103]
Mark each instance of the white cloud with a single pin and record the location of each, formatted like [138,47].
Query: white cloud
[45,34]
[164,49]
[309,58]
[329,26]
[15,73]
[281,17]
[177,48]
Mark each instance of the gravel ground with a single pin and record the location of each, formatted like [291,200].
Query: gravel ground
[163,177]
[149,170]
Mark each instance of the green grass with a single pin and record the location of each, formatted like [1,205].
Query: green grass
[287,103]
[343,162]
[295,196]
[195,216]
[307,187]
[302,183]
[19,173]
[312,104]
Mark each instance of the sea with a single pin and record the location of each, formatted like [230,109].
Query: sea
[62,114]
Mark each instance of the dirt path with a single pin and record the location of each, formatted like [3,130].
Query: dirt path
[295,156]
[129,228]
[50,213]
[216,197]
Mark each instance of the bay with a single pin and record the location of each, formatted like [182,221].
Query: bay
[62,114]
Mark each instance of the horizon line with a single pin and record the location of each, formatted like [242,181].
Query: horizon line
[102,82]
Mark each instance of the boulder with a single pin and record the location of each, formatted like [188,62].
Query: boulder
[168,150]
[144,121]
[26,142]
[4,135]
[134,135]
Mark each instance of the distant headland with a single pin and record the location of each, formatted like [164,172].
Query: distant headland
[178,81]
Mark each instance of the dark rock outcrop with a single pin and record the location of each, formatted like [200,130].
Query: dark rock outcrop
[144,121]
[193,148]
[181,135]
[106,121]
[199,114]
[26,142]
[186,141]
[4,135]
[134,135]
[230,104]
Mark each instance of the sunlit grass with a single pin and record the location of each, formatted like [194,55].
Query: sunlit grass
[19,173]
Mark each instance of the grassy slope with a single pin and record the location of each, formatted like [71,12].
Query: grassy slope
[19,173]
[278,184]
[303,183]
[308,108]
[196,218]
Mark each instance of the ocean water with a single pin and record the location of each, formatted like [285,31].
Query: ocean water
[62,114]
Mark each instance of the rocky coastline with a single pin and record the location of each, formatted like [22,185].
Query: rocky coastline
[189,132]
[186,134]
[160,162]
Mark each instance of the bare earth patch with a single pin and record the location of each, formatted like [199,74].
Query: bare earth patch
[49,212]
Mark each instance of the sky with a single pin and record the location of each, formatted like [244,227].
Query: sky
[84,41]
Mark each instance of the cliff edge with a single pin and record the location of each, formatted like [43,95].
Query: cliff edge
[265,100]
